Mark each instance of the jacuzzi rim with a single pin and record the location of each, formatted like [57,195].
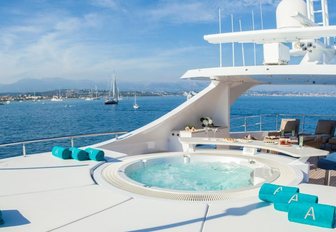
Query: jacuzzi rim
[122,168]
[111,177]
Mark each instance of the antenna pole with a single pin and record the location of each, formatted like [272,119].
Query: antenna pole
[325,18]
[242,44]
[254,45]
[220,31]
[261,16]
[233,45]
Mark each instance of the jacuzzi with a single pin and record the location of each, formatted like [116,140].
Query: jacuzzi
[196,177]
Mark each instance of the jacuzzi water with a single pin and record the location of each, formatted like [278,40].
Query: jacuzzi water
[177,174]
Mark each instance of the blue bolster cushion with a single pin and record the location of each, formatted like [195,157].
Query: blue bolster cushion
[95,154]
[61,152]
[312,214]
[79,154]
[1,220]
[282,200]
[268,191]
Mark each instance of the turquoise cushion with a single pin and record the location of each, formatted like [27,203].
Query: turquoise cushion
[79,154]
[268,191]
[61,152]
[1,220]
[283,199]
[95,154]
[312,214]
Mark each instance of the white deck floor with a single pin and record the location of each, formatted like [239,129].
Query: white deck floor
[43,193]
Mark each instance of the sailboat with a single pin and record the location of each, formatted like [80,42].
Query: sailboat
[113,100]
[57,98]
[89,97]
[135,105]
[120,98]
[96,91]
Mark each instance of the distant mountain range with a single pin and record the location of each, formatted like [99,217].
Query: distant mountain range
[40,85]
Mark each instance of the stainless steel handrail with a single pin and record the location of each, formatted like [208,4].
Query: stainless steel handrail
[309,115]
[71,137]
[244,124]
[253,116]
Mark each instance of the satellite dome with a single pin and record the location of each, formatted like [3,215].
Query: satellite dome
[288,8]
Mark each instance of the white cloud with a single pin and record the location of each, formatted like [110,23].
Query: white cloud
[195,11]
[93,20]
[25,29]
[7,40]
[70,24]
[45,47]
[110,4]
[257,2]
[62,47]
[181,12]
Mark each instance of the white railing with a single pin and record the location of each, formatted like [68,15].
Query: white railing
[263,122]
[70,137]
[268,122]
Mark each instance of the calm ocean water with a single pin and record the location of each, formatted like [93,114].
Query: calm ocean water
[33,120]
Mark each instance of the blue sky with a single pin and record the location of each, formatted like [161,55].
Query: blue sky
[140,40]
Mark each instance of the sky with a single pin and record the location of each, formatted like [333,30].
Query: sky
[138,40]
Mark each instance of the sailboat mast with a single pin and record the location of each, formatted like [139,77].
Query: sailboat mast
[111,83]
[114,88]
[96,91]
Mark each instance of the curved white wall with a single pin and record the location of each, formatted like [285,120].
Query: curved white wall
[214,101]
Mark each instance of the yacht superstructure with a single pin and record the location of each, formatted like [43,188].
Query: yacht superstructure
[296,35]
[68,195]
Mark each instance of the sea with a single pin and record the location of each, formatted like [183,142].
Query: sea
[21,121]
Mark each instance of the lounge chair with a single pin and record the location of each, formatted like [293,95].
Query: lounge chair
[323,132]
[331,145]
[328,163]
[288,126]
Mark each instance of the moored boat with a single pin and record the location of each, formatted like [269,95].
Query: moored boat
[112,99]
